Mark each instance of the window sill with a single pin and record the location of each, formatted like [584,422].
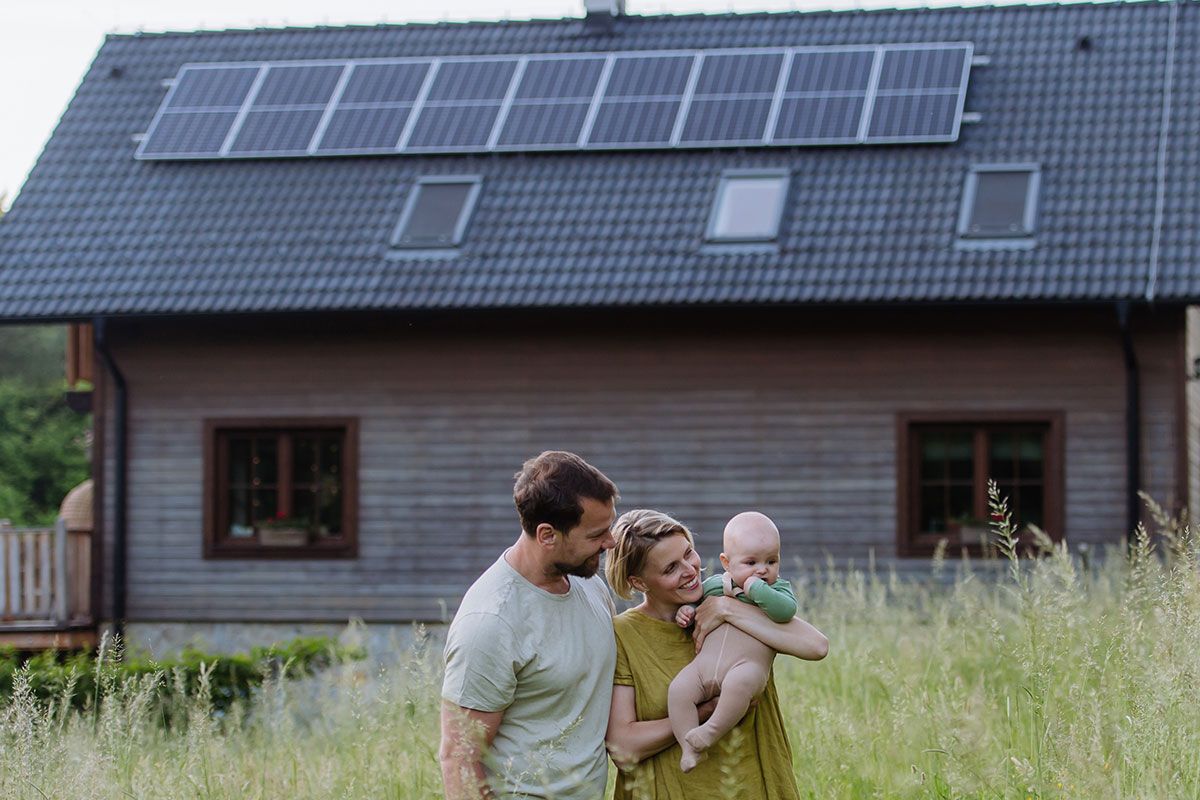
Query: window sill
[1009,243]
[281,553]
[739,248]
[400,253]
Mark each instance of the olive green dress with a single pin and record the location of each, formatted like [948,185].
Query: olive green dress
[751,762]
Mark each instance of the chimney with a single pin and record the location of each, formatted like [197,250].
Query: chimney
[600,14]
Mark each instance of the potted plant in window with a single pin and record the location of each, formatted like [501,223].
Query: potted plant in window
[283,531]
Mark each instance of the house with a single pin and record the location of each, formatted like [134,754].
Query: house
[840,267]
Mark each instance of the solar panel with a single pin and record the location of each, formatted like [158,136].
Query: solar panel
[551,103]
[454,127]
[385,83]
[573,79]
[298,86]
[364,129]
[732,99]
[642,100]
[532,125]
[919,95]
[183,134]
[287,131]
[213,88]
[861,94]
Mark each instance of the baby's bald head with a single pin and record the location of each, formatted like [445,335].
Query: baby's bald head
[750,531]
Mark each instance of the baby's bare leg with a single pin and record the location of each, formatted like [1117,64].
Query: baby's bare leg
[741,684]
[686,691]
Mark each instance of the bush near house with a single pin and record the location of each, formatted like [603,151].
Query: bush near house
[83,680]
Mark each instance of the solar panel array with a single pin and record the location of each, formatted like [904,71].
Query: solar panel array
[880,94]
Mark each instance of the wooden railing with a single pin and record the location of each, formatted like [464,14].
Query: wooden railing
[45,576]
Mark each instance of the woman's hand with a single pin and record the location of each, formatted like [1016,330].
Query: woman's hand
[710,614]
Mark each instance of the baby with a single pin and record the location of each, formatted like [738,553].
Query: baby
[730,662]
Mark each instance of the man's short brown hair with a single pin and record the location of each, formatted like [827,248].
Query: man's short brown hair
[549,487]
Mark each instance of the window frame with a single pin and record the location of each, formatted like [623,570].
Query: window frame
[217,546]
[464,216]
[913,543]
[970,190]
[729,175]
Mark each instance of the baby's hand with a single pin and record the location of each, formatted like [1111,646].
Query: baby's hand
[750,582]
[685,615]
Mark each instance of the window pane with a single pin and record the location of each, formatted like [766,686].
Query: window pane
[933,457]
[263,505]
[960,456]
[304,460]
[932,514]
[304,506]
[1000,461]
[239,462]
[331,458]
[1031,506]
[749,208]
[999,207]
[265,465]
[239,514]
[435,213]
[1031,455]
[962,502]
[330,519]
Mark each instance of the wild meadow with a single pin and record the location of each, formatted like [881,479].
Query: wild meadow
[1058,679]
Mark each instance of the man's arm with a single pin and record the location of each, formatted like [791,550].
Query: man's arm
[467,735]
[794,638]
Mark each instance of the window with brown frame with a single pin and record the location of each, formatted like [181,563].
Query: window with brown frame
[281,488]
[946,462]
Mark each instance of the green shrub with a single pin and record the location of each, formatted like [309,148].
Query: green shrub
[83,678]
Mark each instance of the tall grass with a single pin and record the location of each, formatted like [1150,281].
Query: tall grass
[1059,680]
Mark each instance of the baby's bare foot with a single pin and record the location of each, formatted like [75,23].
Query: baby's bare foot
[698,739]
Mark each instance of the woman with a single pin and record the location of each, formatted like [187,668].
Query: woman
[654,555]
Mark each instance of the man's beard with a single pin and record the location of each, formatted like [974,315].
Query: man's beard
[585,569]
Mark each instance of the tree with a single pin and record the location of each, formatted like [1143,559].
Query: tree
[43,452]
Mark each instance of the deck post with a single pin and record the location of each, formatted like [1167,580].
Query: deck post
[5,526]
[60,571]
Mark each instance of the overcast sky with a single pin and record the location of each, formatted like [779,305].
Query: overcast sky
[46,45]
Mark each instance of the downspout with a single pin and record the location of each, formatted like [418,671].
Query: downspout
[120,468]
[1133,425]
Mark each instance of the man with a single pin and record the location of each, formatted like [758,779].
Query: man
[530,653]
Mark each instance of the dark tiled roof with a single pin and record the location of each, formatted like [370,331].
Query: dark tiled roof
[96,232]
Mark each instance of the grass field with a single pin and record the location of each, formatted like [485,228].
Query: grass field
[1056,682]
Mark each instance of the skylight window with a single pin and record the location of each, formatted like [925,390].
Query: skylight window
[1000,201]
[437,212]
[748,206]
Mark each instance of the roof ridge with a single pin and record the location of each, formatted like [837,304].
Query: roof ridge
[643,18]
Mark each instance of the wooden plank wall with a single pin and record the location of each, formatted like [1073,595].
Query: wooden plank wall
[799,423]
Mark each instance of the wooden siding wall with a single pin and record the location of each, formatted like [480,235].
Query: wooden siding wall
[799,424]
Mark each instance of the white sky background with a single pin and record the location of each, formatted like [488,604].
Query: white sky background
[47,45]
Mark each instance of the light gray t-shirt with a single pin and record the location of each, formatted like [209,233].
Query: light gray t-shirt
[547,661]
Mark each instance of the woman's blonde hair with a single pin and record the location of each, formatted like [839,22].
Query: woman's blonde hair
[636,533]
